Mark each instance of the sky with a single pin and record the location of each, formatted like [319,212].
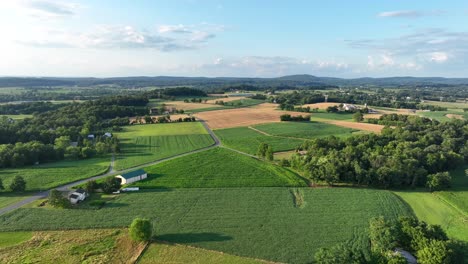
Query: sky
[252,38]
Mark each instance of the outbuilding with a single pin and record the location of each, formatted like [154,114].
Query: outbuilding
[77,196]
[132,176]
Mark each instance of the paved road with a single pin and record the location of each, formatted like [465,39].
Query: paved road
[112,171]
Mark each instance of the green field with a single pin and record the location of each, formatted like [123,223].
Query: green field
[50,175]
[8,239]
[442,115]
[218,167]
[248,140]
[9,198]
[447,208]
[261,223]
[142,144]
[304,130]
[245,102]
[163,253]
[331,116]
[449,105]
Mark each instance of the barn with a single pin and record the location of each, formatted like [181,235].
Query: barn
[132,176]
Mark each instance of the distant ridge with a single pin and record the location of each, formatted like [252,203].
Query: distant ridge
[289,80]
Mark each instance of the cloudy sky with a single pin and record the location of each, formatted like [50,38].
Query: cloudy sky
[253,38]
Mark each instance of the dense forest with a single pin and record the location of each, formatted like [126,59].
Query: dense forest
[414,153]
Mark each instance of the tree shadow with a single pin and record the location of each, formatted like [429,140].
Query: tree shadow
[186,238]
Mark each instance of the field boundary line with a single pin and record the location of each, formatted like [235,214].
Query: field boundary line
[270,135]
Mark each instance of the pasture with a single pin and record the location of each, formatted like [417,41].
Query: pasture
[50,175]
[162,253]
[8,239]
[261,223]
[142,144]
[217,167]
[87,246]
[444,115]
[10,198]
[247,140]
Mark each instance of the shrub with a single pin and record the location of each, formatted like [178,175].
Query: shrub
[141,229]
[438,181]
[57,200]
[18,184]
[110,185]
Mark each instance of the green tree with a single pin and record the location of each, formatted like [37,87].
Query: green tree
[1,185]
[62,142]
[340,253]
[141,229]
[57,200]
[269,153]
[18,184]
[438,181]
[358,116]
[383,235]
[110,185]
[87,152]
[435,252]
[396,259]
[91,186]
[262,149]
[101,148]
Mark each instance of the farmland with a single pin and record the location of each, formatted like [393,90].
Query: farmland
[261,223]
[8,239]
[90,246]
[145,143]
[49,175]
[7,199]
[304,130]
[217,168]
[159,253]
[247,140]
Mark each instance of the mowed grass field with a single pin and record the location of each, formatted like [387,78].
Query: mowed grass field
[304,130]
[142,144]
[447,208]
[10,198]
[50,175]
[218,167]
[163,253]
[85,246]
[247,140]
[261,223]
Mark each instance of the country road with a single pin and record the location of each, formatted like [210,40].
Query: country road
[112,171]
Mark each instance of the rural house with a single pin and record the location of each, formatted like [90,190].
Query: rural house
[132,176]
[77,196]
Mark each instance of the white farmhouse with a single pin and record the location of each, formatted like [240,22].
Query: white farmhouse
[349,107]
[132,176]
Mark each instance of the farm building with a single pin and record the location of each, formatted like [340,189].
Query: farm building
[349,107]
[108,134]
[132,176]
[77,196]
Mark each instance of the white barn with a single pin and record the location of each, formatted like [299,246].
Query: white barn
[132,176]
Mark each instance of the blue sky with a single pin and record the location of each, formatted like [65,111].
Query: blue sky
[234,38]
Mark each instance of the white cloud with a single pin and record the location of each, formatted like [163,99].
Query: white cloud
[401,13]
[439,57]
[42,9]
[109,37]
[385,62]
[174,29]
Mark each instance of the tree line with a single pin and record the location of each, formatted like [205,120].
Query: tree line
[409,155]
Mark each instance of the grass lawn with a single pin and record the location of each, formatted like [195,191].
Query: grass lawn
[261,223]
[86,246]
[10,198]
[163,253]
[457,195]
[248,140]
[8,239]
[50,175]
[145,143]
[218,167]
[306,130]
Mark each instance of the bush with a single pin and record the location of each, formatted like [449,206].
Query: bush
[110,185]
[438,181]
[57,200]
[284,163]
[91,186]
[141,229]
[18,184]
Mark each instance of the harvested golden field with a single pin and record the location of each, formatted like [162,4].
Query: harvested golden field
[259,114]
[376,116]
[360,126]
[75,246]
[455,116]
[320,105]
[191,106]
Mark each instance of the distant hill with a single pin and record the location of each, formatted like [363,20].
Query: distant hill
[290,80]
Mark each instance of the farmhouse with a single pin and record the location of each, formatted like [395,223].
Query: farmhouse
[77,196]
[132,176]
[349,107]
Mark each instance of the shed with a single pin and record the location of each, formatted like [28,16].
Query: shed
[108,134]
[132,176]
[77,196]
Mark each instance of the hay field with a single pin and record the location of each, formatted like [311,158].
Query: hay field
[226,99]
[360,126]
[259,114]
[321,106]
